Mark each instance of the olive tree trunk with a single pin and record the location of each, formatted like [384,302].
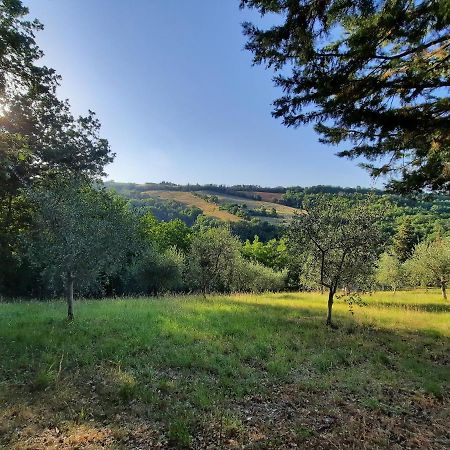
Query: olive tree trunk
[444,290]
[69,294]
[330,306]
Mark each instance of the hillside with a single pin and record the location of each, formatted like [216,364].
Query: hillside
[254,209]
[227,203]
[189,199]
[214,204]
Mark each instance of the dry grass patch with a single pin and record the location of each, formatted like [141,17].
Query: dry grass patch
[189,199]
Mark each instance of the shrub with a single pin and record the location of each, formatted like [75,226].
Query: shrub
[212,260]
[254,277]
[154,272]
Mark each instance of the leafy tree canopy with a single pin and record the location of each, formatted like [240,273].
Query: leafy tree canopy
[80,234]
[39,133]
[404,240]
[337,243]
[213,259]
[271,254]
[165,235]
[374,74]
[390,271]
[430,263]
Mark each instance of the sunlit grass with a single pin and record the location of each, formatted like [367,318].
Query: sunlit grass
[189,199]
[185,358]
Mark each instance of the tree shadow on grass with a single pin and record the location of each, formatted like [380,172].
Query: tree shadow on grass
[248,346]
[426,307]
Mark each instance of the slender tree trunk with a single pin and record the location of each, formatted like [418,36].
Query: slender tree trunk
[444,290]
[9,215]
[330,307]
[70,279]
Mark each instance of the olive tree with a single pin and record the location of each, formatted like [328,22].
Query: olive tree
[80,234]
[337,243]
[390,271]
[154,270]
[430,263]
[212,260]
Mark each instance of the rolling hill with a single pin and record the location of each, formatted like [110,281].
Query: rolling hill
[214,203]
[189,199]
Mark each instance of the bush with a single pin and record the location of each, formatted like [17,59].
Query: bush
[212,260]
[154,272]
[254,277]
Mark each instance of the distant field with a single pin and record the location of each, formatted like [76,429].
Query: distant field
[212,210]
[284,211]
[189,199]
[226,372]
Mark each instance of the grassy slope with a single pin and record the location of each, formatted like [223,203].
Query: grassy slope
[210,209]
[189,199]
[282,210]
[226,372]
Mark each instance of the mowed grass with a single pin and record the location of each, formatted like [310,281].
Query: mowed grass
[282,210]
[212,210]
[189,199]
[239,371]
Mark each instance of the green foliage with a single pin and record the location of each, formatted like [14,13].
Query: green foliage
[254,277]
[33,116]
[430,264]
[264,212]
[39,137]
[14,158]
[213,259]
[404,240]
[204,223]
[248,230]
[215,263]
[390,272]
[179,435]
[154,271]
[16,277]
[208,198]
[165,235]
[370,73]
[78,232]
[164,210]
[337,243]
[240,210]
[272,254]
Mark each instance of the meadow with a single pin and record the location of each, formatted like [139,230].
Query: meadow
[237,371]
[282,210]
[212,210]
[189,199]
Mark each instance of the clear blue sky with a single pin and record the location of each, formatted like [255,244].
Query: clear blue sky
[177,96]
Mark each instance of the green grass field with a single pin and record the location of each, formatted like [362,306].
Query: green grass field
[241,371]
